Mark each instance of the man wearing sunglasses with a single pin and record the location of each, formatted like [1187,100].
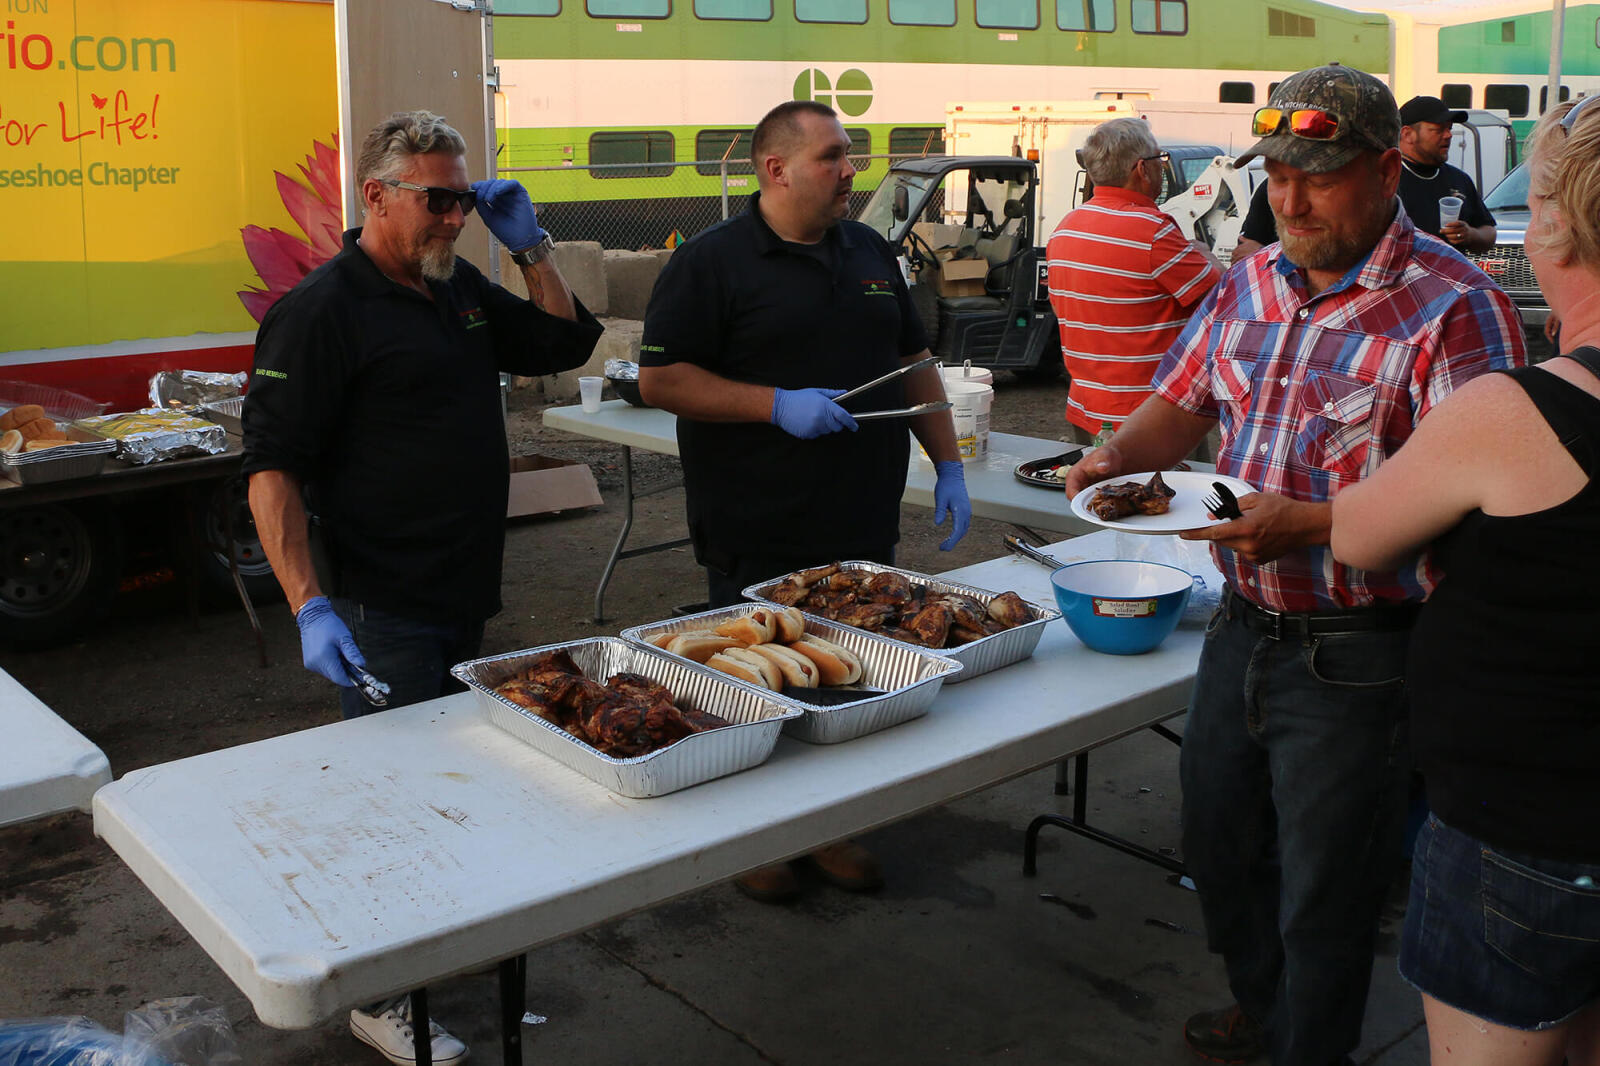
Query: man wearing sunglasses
[1315,358]
[375,408]
[1426,176]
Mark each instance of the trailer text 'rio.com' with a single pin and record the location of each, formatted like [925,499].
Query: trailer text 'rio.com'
[35,51]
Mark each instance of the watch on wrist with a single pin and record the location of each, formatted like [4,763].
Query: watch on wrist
[537,254]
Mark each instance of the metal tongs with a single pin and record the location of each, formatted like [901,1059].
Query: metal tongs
[1028,551]
[371,689]
[899,412]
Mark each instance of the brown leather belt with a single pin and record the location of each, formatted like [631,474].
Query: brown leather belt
[1383,617]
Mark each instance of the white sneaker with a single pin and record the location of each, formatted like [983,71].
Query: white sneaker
[389,1030]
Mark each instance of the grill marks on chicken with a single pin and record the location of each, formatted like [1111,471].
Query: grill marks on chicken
[627,716]
[1130,498]
[891,605]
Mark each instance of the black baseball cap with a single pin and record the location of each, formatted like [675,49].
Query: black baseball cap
[1429,109]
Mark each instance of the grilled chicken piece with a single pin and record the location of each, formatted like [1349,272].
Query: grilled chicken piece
[964,610]
[536,698]
[898,633]
[623,726]
[848,581]
[643,687]
[887,587]
[700,721]
[865,615]
[807,578]
[960,634]
[556,662]
[789,593]
[931,624]
[1131,498]
[1009,610]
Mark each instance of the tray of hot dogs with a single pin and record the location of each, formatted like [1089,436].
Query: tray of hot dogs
[845,683]
[980,629]
[636,720]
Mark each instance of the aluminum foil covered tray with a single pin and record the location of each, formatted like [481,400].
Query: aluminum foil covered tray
[910,676]
[229,414]
[749,741]
[85,457]
[976,658]
[153,433]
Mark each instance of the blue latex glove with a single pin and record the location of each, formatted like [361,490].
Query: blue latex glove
[809,413]
[950,497]
[325,643]
[508,213]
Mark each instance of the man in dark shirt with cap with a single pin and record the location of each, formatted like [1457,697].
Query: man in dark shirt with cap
[1426,177]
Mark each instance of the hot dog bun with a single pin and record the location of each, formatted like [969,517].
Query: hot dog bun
[798,671]
[699,645]
[790,624]
[835,665]
[747,666]
[41,429]
[19,416]
[42,443]
[11,442]
[757,627]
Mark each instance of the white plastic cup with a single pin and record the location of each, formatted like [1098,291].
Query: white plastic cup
[1449,210]
[589,392]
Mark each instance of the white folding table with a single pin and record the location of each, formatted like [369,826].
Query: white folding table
[336,866]
[46,766]
[992,485]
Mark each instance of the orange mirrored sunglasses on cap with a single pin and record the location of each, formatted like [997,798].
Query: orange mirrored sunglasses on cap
[1311,123]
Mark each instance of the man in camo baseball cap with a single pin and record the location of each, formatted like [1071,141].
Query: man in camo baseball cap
[1320,119]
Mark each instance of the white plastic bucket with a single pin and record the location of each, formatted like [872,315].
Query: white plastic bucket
[968,373]
[970,411]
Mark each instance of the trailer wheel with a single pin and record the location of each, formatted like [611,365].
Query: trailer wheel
[58,570]
[230,500]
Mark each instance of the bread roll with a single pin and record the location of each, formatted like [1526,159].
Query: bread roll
[757,627]
[18,416]
[790,624]
[11,442]
[835,665]
[699,645]
[41,429]
[798,671]
[661,640]
[42,443]
[749,667]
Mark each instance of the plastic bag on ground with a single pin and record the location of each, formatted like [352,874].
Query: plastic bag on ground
[182,1031]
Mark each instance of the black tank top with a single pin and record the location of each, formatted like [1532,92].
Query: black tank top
[1505,659]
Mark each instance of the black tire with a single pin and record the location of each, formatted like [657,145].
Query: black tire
[227,498]
[58,571]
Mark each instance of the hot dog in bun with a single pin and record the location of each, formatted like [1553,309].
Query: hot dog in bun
[798,671]
[699,645]
[835,665]
[747,666]
[757,627]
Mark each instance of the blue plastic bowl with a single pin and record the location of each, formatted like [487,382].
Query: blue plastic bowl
[1120,606]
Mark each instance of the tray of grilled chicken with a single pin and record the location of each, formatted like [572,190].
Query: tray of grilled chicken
[980,629]
[844,682]
[626,716]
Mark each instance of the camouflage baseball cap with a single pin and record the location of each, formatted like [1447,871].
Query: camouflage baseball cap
[1368,118]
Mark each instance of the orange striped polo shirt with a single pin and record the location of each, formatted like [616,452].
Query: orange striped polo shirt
[1123,281]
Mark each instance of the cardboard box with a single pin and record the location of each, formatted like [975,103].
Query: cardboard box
[540,484]
[961,277]
[943,237]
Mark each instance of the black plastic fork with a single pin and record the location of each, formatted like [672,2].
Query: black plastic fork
[1222,503]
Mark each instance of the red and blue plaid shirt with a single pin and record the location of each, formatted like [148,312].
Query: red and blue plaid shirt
[1312,393]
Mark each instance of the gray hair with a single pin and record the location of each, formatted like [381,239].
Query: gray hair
[390,147]
[1114,147]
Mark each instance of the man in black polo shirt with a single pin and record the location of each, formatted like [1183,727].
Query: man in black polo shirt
[1425,177]
[754,326]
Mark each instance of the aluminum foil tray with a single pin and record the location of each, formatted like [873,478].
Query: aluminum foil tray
[911,675]
[976,658]
[700,757]
[229,414]
[86,458]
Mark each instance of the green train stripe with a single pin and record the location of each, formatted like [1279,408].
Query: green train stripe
[1520,44]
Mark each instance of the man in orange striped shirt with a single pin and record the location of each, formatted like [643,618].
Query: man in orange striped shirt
[1123,280]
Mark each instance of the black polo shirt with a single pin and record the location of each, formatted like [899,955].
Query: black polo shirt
[749,306]
[1421,196]
[386,406]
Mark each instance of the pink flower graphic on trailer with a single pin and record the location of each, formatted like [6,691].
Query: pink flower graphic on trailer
[282,259]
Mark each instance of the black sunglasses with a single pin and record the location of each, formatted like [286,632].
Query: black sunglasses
[440,199]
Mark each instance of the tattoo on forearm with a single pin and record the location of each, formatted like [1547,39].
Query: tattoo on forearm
[535,288]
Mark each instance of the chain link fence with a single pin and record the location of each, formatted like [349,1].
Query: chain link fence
[665,202]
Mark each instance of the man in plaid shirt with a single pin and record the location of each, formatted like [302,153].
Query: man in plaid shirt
[1317,356]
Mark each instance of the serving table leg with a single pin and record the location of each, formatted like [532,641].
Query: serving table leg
[513,998]
[421,1037]
[617,551]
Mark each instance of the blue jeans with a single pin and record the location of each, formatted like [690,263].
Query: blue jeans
[1294,772]
[412,657]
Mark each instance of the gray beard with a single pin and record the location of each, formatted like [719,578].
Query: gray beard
[439,262]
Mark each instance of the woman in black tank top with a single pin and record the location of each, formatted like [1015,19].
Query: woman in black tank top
[1502,932]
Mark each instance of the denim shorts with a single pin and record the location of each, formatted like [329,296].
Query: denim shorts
[1510,938]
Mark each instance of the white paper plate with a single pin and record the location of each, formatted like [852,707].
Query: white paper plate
[1186,512]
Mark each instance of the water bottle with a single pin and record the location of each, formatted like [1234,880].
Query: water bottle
[1105,434]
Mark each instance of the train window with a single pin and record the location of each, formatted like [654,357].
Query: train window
[528,7]
[1272,87]
[1160,16]
[852,11]
[1008,14]
[711,145]
[1508,32]
[916,140]
[1544,97]
[1237,92]
[1086,16]
[1511,98]
[628,9]
[631,146]
[860,145]
[1597,33]
[1288,24]
[1456,96]
[922,12]
[745,10]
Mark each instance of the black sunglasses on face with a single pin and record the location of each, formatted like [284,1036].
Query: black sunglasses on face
[440,199]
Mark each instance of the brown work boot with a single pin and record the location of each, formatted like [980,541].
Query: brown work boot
[770,884]
[1227,1034]
[849,866]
